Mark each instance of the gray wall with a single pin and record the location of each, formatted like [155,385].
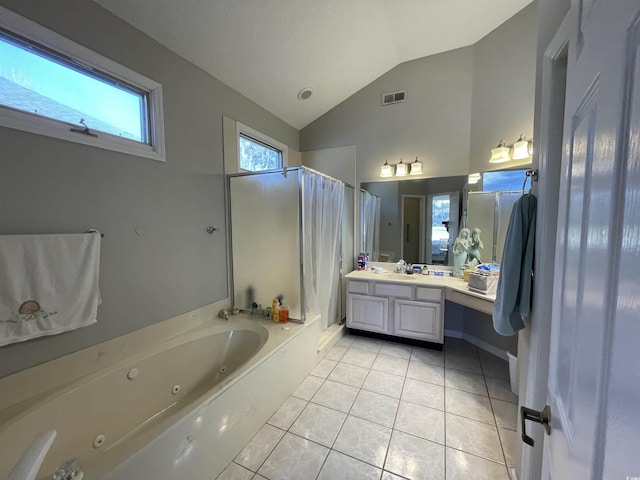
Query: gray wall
[459,105]
[433,124]
[52,186]
[504,76]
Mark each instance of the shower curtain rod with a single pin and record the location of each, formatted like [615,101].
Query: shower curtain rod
[289,169]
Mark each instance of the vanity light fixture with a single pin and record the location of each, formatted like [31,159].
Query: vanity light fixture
[415,168]
[401,169]
[500,154]
[522,148]
[386,170]
[474,178]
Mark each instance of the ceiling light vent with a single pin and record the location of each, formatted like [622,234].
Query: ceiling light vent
[394,97]
[305,93]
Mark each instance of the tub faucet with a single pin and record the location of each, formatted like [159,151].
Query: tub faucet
[224,314]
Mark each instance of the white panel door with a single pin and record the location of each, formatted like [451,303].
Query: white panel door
[594,372]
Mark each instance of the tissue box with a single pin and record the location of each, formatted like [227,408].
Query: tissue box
[484,282]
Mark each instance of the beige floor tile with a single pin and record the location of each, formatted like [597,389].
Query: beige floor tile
[423,422]
[476,407]
[308,387]
[287,413]
[335,395]
[363,440]
[423,393]
[415,458]
[384,383]
[426,373]
[474,437]
[294,458]
[392,365]
[462,362]
[319,424]
[339,466]
[500,390]
[509,440]
[259,448]
[426,355]
[506,413]
[349,374]
[375,407]
[464,466]
[465,381]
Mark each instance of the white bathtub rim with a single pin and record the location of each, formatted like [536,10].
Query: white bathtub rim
[132,442]
[182,338]
[123,451]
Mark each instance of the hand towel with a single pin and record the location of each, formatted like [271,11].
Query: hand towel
[513,297]
[48,284]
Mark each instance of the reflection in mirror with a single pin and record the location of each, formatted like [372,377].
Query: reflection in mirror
[418,219]
[489,209]
[370,225]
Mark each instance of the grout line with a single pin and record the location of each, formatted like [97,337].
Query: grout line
[444,401]
[393,429]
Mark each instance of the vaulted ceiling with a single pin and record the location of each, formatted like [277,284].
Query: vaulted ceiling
[269,50]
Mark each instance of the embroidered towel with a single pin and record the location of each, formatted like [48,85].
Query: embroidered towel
[48,284]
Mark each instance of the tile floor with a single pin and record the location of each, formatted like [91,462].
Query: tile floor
[380,410]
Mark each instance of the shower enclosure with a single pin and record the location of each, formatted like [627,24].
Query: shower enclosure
[288,232]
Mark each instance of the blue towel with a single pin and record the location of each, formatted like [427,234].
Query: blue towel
[513,298]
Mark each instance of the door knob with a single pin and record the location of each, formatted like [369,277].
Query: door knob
[543,417]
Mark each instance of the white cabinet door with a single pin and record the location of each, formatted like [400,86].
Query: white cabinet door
[418,320]
[368,313]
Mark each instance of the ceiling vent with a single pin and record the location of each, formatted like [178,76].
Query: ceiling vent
[394,97]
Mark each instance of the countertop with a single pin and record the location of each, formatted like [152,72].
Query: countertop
[452,283]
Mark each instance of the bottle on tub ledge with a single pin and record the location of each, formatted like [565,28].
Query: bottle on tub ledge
[275,310]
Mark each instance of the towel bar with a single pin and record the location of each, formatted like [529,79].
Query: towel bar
[93,230]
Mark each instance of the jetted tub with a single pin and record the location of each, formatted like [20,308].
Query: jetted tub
[108,416]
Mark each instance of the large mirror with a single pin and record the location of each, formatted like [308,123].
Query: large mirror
[419,220]
[414,220]
[489,205]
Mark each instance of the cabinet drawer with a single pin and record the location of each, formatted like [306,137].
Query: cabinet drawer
[358,287]
[392,290]
[429,294]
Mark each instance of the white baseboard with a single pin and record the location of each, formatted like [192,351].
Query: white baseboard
[329,338]
[498,352]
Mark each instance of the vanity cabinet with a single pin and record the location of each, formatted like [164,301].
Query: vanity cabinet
[368,313]
[419,320]
[401,310]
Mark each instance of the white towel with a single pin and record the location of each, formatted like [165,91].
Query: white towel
[48,284]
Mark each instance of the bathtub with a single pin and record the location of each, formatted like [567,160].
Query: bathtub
[162,412]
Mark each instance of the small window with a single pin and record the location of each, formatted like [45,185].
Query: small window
[58,88]
[503,180]
[257,152]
